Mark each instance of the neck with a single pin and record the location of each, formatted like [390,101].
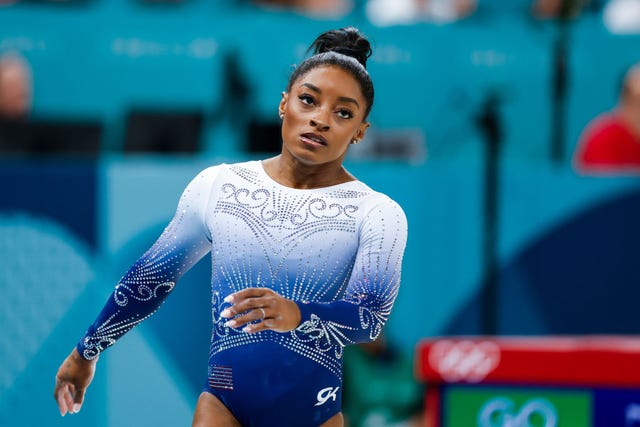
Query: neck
[292,173]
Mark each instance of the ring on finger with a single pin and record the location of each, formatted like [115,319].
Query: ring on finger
[263,312]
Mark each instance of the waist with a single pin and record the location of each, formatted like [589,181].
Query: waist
[273,351]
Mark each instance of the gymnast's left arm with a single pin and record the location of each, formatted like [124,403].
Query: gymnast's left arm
[373,286]
[357,317]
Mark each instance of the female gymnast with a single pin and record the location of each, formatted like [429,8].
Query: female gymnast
[306,259]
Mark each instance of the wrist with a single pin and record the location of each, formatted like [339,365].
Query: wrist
[77,357]
[297,315]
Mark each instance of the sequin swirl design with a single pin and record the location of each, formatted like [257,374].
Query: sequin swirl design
[145,286]
[109,331]
[328,249]
[336,251]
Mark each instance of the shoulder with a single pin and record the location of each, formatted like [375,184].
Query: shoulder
[604,125]
[212,172]
[378,203]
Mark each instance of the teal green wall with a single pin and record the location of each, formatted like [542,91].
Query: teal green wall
[62,250]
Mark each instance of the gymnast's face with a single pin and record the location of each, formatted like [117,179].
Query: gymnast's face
[322,114]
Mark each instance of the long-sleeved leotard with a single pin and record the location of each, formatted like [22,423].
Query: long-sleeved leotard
[335,251]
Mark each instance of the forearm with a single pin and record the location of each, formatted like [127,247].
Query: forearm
[137,296]
[125,308]
[373,285]
[343,322]
[151,279]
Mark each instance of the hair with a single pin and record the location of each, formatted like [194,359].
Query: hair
[346,48]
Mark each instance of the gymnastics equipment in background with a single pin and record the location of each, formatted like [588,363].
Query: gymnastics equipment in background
[570,381]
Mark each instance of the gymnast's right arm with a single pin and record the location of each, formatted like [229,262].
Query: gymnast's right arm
[141,290]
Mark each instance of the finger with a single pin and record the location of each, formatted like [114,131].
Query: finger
[244,306]
[78,398]
[244,294]
[260,326]
[68,398]
[64,400]
[250,316]
[62,405]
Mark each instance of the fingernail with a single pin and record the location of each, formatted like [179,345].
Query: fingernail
[225,313]
[230,323]
[247,329]
[228,298]
[76,408]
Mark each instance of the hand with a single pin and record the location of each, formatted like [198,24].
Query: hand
[275,312]
[73,378]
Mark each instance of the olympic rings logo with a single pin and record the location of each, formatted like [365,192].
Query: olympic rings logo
[499,412]
[464,360]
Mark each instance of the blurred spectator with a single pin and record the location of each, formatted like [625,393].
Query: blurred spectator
[404,12]
[543,10]
[554,9]
[16,87]
[611,142]
[380,389]
[622,16]
[329,9]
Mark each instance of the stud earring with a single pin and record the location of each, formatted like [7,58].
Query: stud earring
[281,116]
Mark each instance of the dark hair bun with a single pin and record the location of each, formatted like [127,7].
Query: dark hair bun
[347,41]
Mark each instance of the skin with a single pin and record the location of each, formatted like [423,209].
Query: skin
[15,88]
[629,105]
[73,377]
[326,102]
[321,116]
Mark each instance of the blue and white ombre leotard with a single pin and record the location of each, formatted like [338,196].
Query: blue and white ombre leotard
[335,251]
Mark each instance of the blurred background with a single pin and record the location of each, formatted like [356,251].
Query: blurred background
[112,107]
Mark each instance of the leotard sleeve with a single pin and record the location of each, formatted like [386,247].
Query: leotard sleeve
[144,287]
[372,287]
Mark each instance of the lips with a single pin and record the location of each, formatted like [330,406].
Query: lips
[314,138]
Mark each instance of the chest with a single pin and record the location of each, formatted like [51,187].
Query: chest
[271,221]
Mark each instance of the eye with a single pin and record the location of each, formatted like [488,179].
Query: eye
[306,99]
[345,114]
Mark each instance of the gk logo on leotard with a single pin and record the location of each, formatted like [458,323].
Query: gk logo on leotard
[325,394]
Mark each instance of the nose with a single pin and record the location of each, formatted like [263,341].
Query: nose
[320,123]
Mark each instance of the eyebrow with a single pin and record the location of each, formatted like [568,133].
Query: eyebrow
[340,98]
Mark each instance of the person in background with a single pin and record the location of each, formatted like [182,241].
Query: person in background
[319,9]
[558,9]
[540,10]
[306,259]
[407,12]
[16,100]
[16,87]
[610,143]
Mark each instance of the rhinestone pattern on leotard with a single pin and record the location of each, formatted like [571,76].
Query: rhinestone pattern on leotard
[337,251]
[304,244]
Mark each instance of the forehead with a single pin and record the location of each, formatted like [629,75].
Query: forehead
[332,79]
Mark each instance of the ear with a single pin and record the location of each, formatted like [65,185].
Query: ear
[362,130]
[282,107]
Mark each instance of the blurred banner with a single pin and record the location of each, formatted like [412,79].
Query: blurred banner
[589,381]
